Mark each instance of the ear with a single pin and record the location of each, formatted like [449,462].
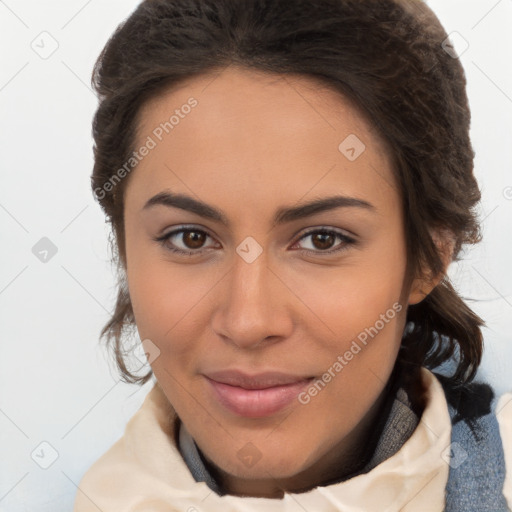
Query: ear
[422,286]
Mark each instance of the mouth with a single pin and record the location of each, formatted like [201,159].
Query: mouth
[255,396]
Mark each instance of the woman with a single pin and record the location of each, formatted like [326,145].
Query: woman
[287,183]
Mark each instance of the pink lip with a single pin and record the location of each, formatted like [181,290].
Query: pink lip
[255,396]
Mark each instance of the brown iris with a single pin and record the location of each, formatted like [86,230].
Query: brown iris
[323,240]
[194,239]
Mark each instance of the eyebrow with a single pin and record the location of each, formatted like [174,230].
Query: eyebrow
[282,216]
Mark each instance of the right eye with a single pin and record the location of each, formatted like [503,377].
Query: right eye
[186,241]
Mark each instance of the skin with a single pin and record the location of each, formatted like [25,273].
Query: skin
[255,143]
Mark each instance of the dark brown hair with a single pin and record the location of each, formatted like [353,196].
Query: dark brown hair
[386,56]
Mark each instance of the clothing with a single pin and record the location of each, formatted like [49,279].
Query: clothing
[145,471]
[476,455]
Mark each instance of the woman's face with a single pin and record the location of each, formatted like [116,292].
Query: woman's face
[279,323]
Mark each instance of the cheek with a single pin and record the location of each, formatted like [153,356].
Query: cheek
[158,296]
[356,364]
[361,303]
[170,304]
[351,298]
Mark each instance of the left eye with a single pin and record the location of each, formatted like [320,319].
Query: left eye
[323,240]
[192,241]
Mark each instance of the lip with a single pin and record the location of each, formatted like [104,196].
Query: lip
[255,396]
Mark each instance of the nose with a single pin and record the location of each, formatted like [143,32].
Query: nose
[253,305]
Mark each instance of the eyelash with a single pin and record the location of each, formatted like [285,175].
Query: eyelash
[347,241]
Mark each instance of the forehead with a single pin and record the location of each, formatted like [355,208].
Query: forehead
[256,133]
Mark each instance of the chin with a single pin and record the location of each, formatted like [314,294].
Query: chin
[250,463]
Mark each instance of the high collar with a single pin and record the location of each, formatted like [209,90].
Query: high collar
[393,430]
[144,470]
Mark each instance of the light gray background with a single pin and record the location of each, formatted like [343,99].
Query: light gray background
[56,385]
